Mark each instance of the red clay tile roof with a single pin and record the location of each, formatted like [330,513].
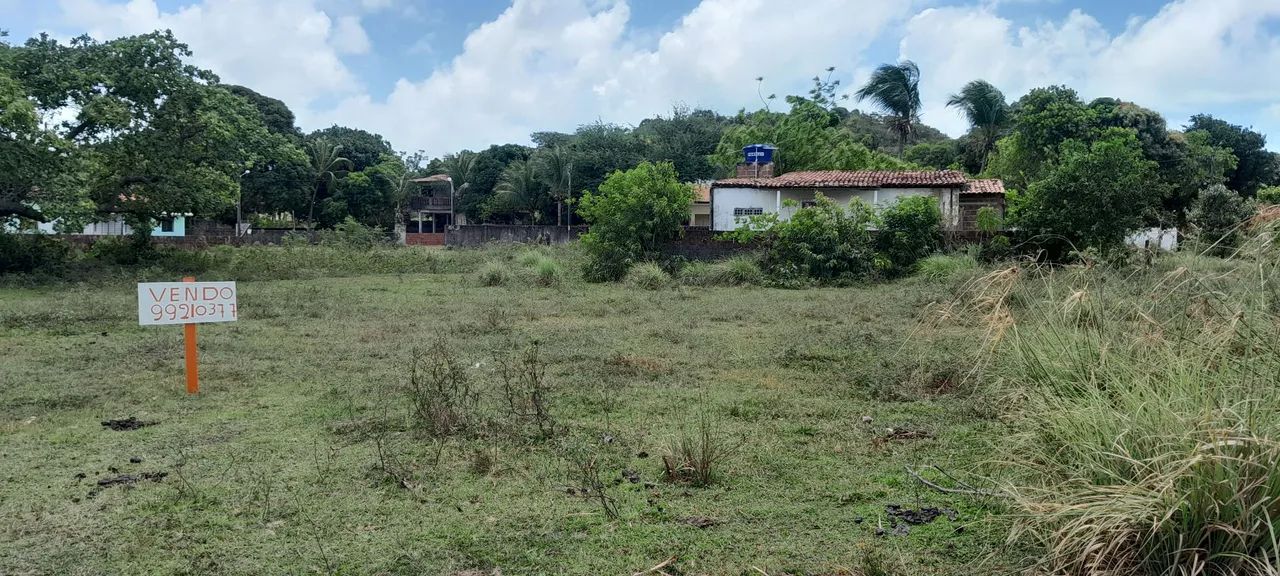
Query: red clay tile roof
[992,186]
[853,179]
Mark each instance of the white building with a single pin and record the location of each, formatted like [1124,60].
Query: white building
[166,226]
[734,200]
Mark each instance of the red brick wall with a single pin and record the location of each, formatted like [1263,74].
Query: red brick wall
[755,170]
[426,239]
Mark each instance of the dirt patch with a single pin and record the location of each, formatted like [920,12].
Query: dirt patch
[125,480]
[631,365]
[127,424]
[702,522]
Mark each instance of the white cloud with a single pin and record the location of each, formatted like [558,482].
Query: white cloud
[287,49]
[551,65]
[554,64]
[349,36]
[1192,56]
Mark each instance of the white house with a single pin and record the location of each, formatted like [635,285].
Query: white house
[171,226]
[733,200]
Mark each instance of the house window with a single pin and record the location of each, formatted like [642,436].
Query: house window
[737,212]
[166,224]
[808,203]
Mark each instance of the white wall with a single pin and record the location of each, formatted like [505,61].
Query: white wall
[725,200]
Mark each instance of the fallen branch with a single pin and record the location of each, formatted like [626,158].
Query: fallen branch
[658,568]
[967,490]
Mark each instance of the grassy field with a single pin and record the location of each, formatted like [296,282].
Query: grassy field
[303,453]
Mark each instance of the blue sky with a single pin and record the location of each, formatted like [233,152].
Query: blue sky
[443,75]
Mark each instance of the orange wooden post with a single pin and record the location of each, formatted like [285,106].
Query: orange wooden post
[189,338]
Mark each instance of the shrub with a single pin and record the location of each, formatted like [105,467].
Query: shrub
[439,391]
[1219,215]
[493,273]
[648,276]
[946,266]
[824,242]
[1093,198]
[1269,195]
[910,229]
[997,248]
[32,253]
[632,215]
[350,233]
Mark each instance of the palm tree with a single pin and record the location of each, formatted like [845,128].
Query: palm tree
[459,167]
[326,163]
[518,186]
[555,169]
[988,114]
[895,89]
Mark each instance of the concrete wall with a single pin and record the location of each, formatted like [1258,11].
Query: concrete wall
[482,234]
[726,200]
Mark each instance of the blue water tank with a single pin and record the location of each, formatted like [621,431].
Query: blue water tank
[758,153]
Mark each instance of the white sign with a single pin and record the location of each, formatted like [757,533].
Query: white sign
[186,302]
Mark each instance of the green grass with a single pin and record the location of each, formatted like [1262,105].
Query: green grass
[1149,418]
[275,466]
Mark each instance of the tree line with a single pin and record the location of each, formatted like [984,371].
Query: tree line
[127,127]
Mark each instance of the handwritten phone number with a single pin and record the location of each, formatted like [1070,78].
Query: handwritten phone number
[190,311]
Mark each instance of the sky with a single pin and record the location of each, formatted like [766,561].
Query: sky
[442,75]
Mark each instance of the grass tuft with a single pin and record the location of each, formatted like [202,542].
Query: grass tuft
[648,276]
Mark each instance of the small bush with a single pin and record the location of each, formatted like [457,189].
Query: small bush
[996,249]
[493,273]
[825,242]
[1219,215]
[694,458]
[648,276]
[1269,195]
[910,229]
[946,266]
[440,395]
[350,233]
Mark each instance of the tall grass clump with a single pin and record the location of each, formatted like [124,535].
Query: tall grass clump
[946,266]
[493,273]
[1150,416]
[648,276]
[735,271]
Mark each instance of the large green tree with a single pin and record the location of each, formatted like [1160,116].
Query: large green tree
[276,115]
[147,134]
[685,139]
[1255,167]
[1095,196]
[362,148]
[895,89]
